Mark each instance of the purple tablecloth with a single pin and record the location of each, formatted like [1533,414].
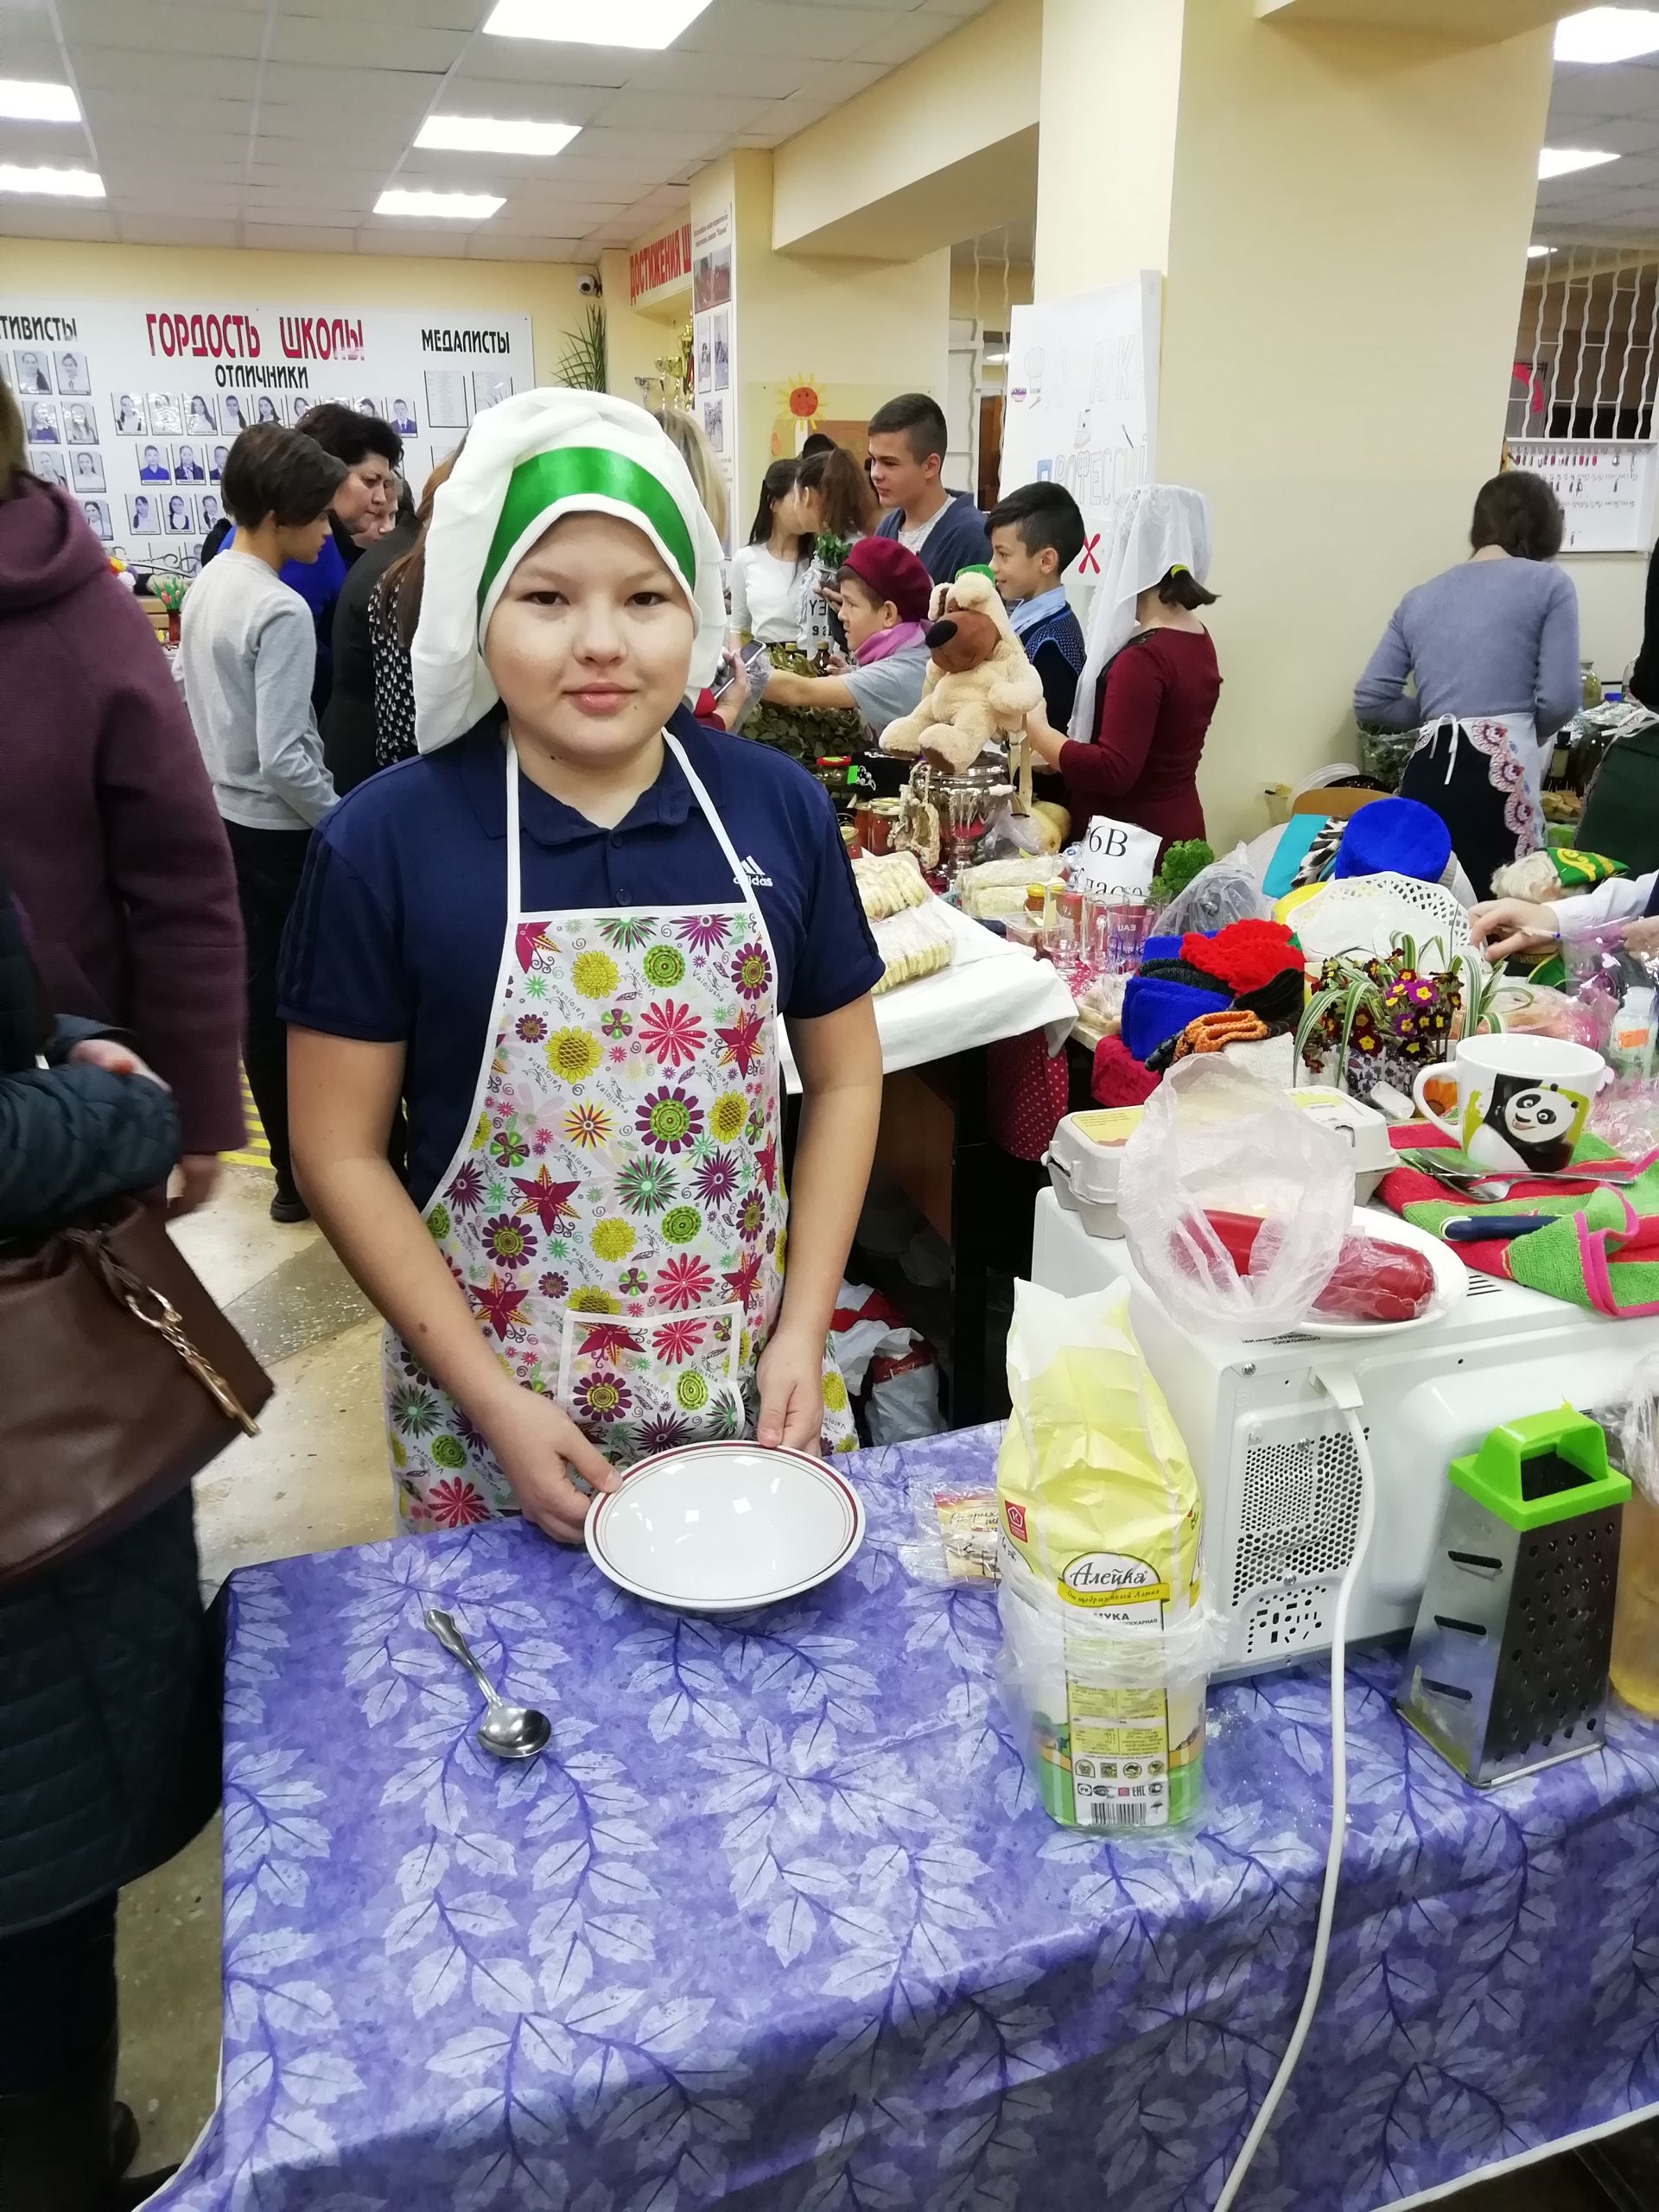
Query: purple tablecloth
[777,1925]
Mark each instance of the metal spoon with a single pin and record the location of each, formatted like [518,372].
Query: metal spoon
[507,1731]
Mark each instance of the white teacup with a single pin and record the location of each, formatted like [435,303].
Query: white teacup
[1522,1102]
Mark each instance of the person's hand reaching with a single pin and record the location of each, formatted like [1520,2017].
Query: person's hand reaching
[114,1059]
[1503,926]
[790,1378]
[735,699]
[538,1446]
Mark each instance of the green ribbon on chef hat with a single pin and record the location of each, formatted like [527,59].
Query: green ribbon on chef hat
[528,462]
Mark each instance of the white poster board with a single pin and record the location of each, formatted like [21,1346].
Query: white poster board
[1082,404]
[1605,488]
[131,404]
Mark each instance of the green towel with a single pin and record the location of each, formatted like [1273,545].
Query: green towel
[1578,1257]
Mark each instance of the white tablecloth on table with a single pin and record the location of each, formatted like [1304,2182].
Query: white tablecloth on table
[991,990]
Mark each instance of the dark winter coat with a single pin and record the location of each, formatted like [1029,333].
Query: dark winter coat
[109,1672]
[108,830]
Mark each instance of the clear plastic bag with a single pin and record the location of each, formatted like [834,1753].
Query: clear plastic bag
[1612,993]
[1226,891]
[1110,1717]
[1632,1426]
[1213,1138]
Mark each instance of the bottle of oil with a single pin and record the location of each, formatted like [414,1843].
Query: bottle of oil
[1634,1665]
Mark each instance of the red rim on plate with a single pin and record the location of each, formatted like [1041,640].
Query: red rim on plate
[594,1530]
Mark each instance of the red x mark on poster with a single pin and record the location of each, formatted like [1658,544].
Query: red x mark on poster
[1088,560]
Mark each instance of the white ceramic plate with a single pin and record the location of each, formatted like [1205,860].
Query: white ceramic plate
[1451,1278]
[723,1528]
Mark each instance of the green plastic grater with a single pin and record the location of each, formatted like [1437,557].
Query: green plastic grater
[1507,1666]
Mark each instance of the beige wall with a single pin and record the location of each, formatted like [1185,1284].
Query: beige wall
[999,291]
[1110,99]
[634,343]
[544,290]
[1611,589]
[1350,209]
[862,181]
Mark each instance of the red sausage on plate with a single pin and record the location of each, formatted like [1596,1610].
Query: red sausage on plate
[1372,1282]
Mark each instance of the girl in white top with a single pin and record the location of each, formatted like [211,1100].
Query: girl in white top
[764,576]
[834,498]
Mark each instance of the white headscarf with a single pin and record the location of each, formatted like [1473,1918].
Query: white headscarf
[1158,528]
[527,462]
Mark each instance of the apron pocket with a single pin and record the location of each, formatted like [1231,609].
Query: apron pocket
[644,1382]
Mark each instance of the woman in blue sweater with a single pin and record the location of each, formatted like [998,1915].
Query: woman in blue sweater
[1492,646]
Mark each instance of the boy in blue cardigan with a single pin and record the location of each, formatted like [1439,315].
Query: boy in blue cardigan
[1036,534]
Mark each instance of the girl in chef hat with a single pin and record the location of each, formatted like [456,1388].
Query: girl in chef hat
[565,937]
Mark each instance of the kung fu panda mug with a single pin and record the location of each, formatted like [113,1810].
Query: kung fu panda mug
[1522,1102]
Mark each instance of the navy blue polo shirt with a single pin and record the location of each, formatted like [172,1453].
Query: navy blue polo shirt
[396,935]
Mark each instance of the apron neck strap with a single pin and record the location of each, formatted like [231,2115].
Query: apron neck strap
[515,857]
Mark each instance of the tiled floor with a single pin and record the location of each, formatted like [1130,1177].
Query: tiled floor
[315,1477]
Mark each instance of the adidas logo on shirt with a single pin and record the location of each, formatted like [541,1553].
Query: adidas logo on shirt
[756,873]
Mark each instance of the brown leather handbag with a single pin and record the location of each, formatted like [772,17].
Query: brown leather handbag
[119,1380]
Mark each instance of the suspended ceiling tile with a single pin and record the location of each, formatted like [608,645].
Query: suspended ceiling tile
[427,14]
[52,219]
[520,102]
[58,145]
[178,230]
[38,57]
[380,94]
[135,71]
[299,238]
[533,62]
[778,27]
[666,112]
[440,241]
[732,75]
[901,38]
[327,42]
[490,246]
[174,28]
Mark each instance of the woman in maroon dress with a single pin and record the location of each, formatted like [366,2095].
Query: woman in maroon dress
[1151,683]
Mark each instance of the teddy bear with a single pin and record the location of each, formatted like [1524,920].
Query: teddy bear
[979,686]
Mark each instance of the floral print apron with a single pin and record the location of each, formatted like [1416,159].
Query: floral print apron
[616,1211]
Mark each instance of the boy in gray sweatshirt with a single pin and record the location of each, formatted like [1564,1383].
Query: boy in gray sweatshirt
[247,649]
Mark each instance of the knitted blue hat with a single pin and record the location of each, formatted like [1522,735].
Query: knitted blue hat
[1155,1010]
[1160,948]
[1395,836]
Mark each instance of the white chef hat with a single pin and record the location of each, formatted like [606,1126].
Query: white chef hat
[527,461]
[1153,528]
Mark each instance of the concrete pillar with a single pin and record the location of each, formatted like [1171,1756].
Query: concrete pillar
[1341,209]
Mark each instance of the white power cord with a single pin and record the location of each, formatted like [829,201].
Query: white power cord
[1344,1392]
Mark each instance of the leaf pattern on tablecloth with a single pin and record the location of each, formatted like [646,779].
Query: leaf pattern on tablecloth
[777,1925]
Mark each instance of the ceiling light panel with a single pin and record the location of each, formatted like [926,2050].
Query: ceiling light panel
[444,206]
[1605,34]
[22,100]
[1563,161]
[51,184]
[652,24]
[485,133]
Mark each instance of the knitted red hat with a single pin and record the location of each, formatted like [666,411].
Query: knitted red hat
[892,571]
[1244,955]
